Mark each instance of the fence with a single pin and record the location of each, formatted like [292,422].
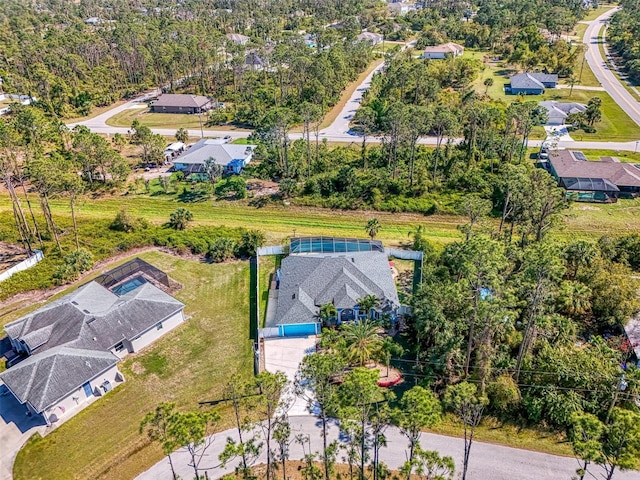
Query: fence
[404,254]
[273,250]
[24,265]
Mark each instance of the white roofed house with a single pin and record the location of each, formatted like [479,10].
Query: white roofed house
[233,158]
[370,37]
[237,38]
[444,50]
[73,345]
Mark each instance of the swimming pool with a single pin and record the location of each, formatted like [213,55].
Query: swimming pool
[128,286]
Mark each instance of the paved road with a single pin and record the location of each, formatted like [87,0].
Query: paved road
[605,76]
[487,461]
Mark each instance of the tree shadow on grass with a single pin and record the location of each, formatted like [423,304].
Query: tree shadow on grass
[193,196]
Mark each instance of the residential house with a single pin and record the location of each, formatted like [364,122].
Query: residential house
[600,181]
[632,330]
[93,21]
[237,38]
[181,103]
[531,83]
[444,50]
[6,99]
[233,158]
[370,37]
[73,345]
[559,111]
[401,8]
[326,270]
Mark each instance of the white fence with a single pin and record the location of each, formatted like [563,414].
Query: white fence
[274,250]
[404,254]
[24,265]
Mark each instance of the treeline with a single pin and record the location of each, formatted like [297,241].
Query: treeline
[623,35]
[537,327]
[49,52]
[412,99]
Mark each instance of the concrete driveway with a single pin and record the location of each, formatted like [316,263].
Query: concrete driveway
[284,354]
[15,428]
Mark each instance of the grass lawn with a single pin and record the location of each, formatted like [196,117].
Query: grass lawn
[492,431]
[596,12]
[163,120]
[622,156]
[615,125]
[189,364]
[268,265]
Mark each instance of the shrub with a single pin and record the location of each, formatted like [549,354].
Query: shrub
[75,263]
[125,223]
[179,219]
[221,249]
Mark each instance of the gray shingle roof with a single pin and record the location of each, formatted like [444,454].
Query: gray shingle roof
[311,280]
[562,108]
[532,80]
[46,378]
[566,165]
[92,317]
[222,153]
[181,100]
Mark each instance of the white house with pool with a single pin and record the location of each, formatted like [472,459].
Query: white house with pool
[323,270]
[66,353]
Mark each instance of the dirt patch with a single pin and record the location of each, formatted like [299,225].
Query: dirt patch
[10,254]
[137,368]
[260,188]
[587,207]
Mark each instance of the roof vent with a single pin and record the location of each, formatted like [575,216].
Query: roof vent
[74,302]
[85,310]
[91,319]
[95,339]
[87,363]
[293,297]
[353,260]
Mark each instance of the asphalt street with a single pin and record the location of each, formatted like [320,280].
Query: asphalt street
[487,461]
[603,73]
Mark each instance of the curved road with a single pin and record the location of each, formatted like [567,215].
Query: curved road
[487,461]
[338,130]
[601,70]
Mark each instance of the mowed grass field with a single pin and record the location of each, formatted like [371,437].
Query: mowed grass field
[163,120]
[188,365]
[280,222]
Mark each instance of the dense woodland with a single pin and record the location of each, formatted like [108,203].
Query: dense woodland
[623,35]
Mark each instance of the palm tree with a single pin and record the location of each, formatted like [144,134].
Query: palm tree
[372,227]
[389,349]
[367,303]
[488,83]
[182,135]
[327,312]
[363,342]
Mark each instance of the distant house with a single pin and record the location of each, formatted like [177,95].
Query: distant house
[632,329]
[559,111]
[6,99]
[310,40]
[370,37]
[339,271]
[531,83]
[181,103]
[254,61]
[602,181]
[73,344]
[238,39]
[444,50]
[93,21]
[401,8]
[233,158]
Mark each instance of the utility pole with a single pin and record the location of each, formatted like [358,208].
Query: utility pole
[201,129]
[620,387]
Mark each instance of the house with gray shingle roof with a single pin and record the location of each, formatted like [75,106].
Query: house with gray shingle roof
[309,280]
[557,112]
[232,158]
[73,345]
[181,103]
[531,83]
